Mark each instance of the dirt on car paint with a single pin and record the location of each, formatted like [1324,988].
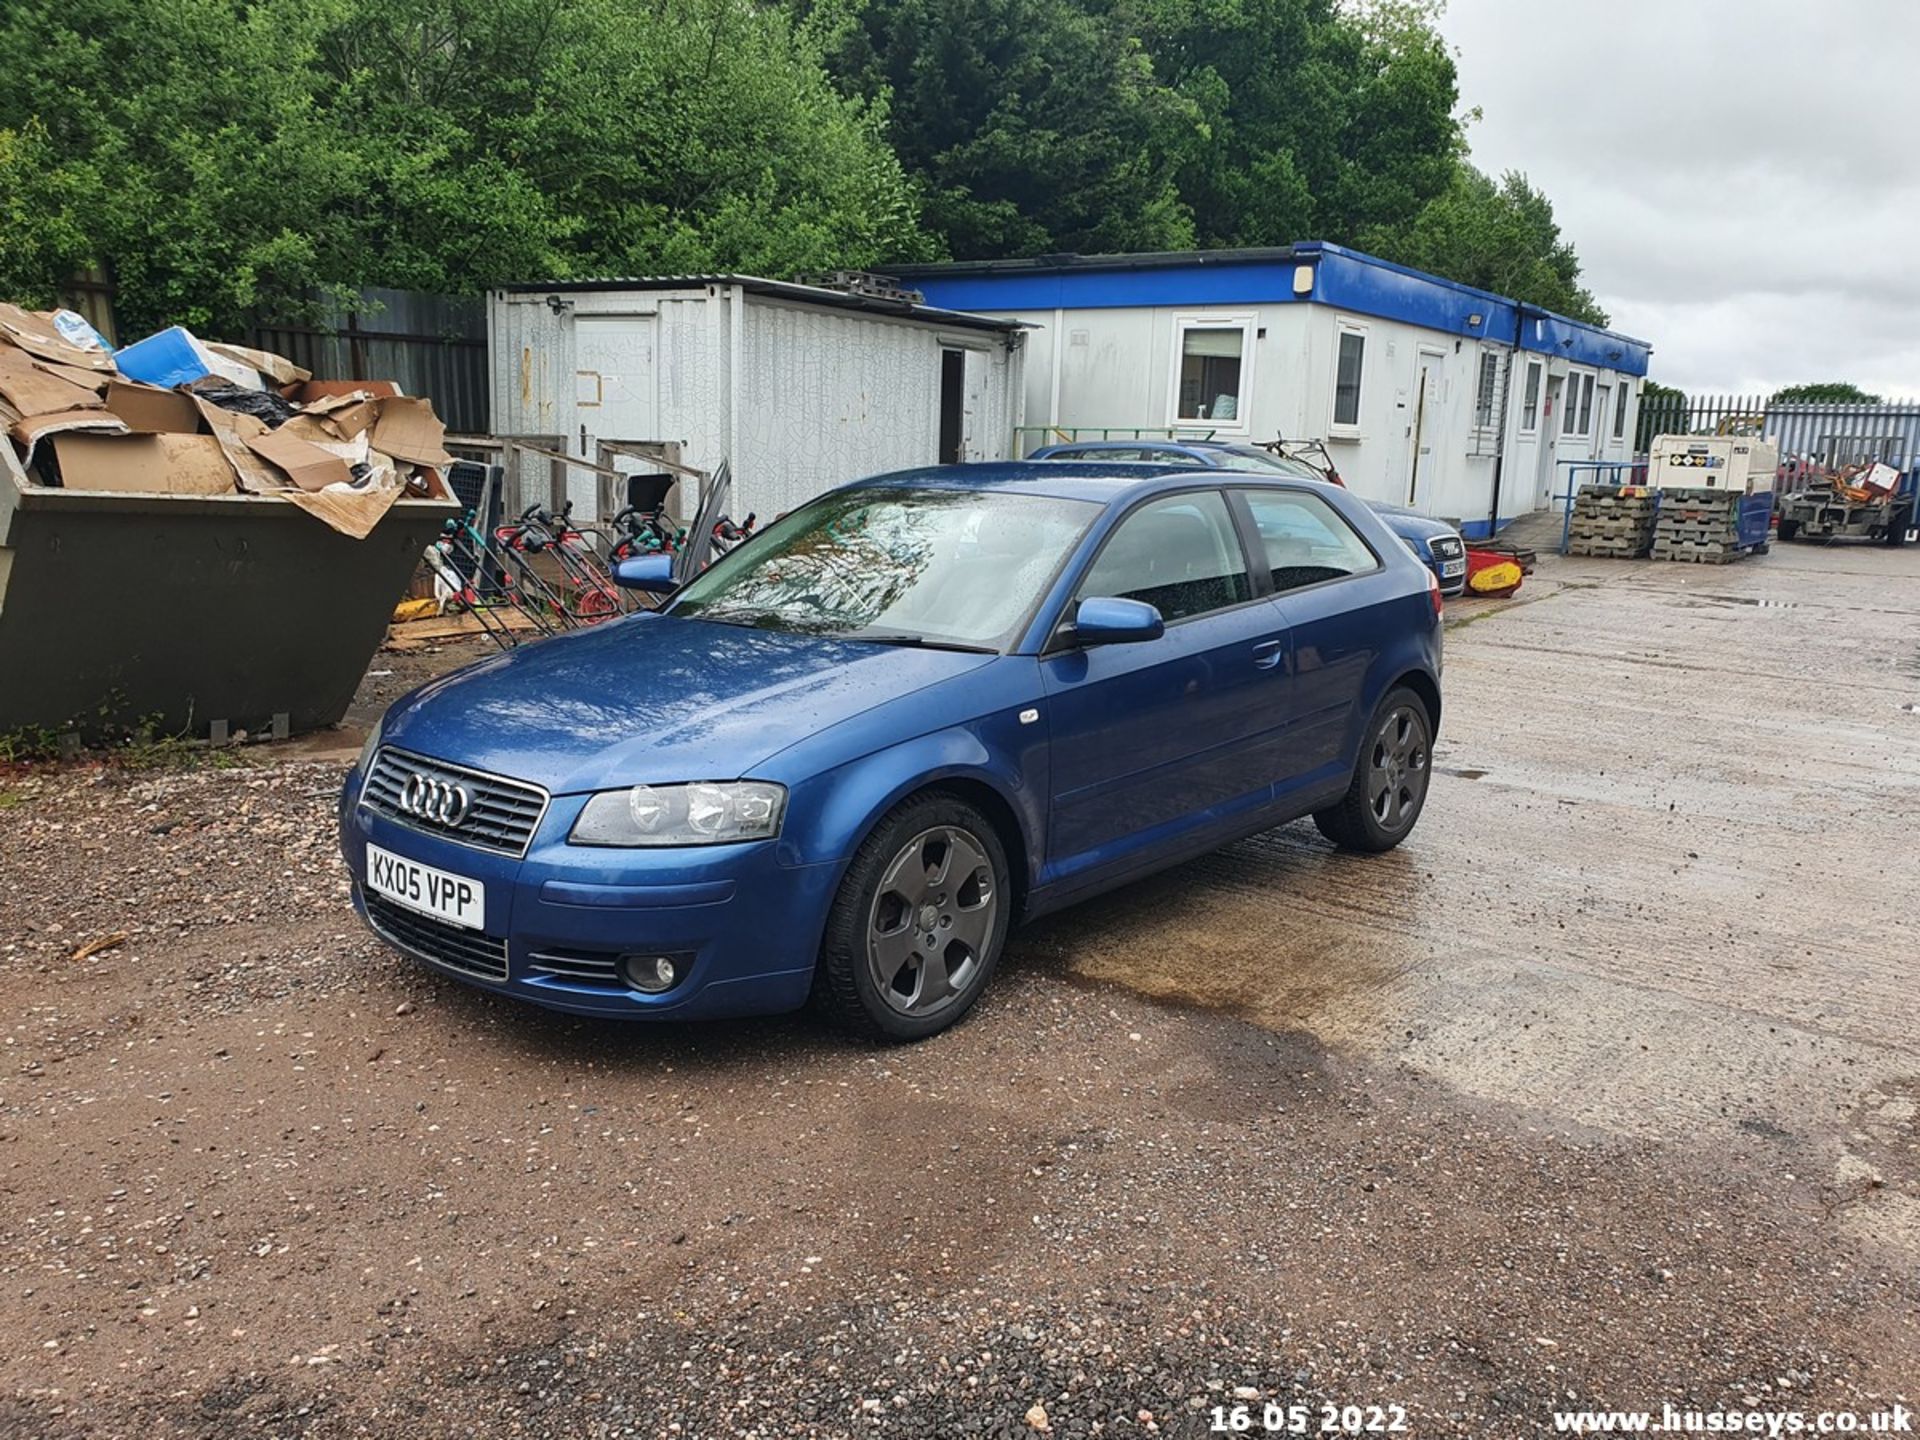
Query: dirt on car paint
[1600,1092]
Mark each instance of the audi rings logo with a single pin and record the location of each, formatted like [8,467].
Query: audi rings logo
[440,801]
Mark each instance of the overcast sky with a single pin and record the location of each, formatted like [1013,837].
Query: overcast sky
[1741,178]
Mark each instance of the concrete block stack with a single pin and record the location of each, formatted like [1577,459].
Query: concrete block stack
[1699,525]
[1615,520]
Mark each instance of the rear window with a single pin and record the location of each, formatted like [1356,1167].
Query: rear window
[1305,539]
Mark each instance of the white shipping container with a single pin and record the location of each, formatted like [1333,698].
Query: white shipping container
[801,388]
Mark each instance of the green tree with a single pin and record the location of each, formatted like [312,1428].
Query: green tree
[1825,392]
[226,157]
[1664,410]
[1318,120]
[42,206]
[1501,238]
[1031,125]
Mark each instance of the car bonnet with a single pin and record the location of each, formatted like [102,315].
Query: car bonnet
[656,699]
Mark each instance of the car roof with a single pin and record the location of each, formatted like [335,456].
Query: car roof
[1087,480]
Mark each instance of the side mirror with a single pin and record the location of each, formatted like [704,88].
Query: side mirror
[652,573]
[1110,620]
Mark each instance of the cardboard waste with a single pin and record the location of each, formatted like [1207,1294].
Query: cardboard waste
[177,415]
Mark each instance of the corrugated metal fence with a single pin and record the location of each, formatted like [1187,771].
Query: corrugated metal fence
[1837,435]
[431,345]
[1819,434]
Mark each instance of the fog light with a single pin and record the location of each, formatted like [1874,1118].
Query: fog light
[653,974]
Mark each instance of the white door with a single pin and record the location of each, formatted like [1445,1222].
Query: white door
[1602,425]
[1425,428]
[975,442]
[1550,421]
[613,393]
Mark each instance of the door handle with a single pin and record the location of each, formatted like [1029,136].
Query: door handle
[1266,654]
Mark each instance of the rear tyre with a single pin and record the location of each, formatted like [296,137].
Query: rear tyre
[919,923]
[1390,777]
[1789,529]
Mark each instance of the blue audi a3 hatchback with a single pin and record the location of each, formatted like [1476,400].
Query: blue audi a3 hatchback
[845,759]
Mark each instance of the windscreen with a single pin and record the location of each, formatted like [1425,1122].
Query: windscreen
[958,567]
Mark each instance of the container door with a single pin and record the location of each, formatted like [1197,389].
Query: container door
[953,407]
[1550,422]
[1425,428]
[613,393]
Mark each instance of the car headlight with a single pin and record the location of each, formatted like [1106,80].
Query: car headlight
[373,744]
[716,812]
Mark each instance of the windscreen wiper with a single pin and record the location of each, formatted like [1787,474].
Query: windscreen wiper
[745,616]
[917,642]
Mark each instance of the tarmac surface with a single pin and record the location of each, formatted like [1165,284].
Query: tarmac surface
[1603,1091]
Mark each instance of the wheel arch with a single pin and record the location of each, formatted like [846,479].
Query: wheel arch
[994,807]
[1427,688]
[860,796]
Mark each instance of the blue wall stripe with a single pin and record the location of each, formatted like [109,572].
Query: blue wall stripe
[1345,279]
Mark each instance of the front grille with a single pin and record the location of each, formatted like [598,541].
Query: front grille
[501,816]
[1447,547]
[467,951]
[577,967]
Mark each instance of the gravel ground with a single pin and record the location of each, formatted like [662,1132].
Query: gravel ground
[1278,1126]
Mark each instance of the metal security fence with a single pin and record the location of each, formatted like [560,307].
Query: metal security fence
[1826,435]
[430,345]
[1836,436]
[1664,413]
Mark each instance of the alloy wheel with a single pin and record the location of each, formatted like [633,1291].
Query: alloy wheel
[1397,768]
[933,915]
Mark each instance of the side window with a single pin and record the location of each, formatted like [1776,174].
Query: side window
[1180,555]
[1210,371]
[1348,368]
[1306,539]
[1068,455]
[1488,391]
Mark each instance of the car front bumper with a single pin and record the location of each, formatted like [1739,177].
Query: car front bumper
[1451,572]
[742,925]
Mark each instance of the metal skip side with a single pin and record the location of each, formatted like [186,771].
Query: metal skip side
[118,610]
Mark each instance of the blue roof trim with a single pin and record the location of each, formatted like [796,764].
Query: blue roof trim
[1351,281]
[1343,278]
[1252,283]
[1584,344]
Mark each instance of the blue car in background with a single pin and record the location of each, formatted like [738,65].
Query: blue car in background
[1437,543]
[845,759]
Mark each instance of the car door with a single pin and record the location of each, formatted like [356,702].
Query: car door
[1325,577]
[1156,744]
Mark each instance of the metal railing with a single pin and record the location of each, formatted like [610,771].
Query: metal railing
[1068,434]
[1616,472]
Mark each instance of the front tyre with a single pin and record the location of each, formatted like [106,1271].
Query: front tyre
[918,924]
[1390,777]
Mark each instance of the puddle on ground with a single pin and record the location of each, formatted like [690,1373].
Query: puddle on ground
[1760,600]
[1250,931]
[1716,602]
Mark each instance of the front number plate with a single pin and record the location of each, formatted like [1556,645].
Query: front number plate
[1451,568]
[439,893]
